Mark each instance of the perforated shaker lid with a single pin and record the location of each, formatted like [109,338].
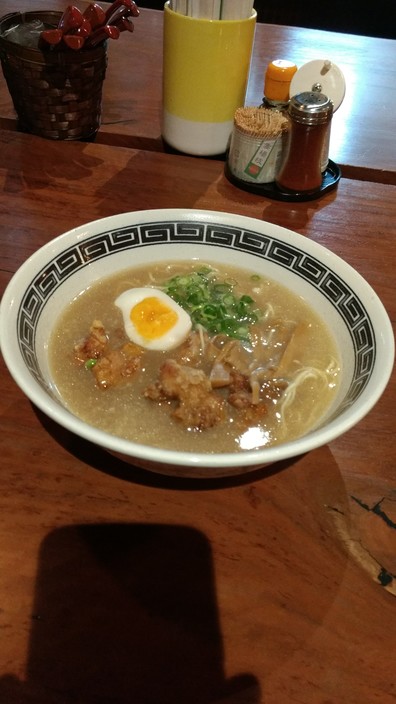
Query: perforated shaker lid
[320,75]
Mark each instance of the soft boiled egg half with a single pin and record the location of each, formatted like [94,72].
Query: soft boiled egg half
[152,319]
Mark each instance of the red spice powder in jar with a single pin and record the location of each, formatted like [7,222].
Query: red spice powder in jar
[309,114]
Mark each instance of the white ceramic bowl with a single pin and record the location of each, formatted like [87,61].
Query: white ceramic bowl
[62,268]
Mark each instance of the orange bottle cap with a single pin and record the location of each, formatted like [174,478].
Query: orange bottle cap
[278,76]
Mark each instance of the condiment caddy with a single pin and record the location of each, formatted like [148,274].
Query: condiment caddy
[306,98]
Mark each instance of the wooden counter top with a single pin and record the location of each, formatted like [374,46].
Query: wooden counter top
[363,136]
[125,587]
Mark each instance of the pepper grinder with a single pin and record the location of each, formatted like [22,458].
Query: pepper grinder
[309,114]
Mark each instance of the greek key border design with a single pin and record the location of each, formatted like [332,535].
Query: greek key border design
[265,247]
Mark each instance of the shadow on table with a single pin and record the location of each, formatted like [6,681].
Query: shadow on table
[103,461]
[126,614]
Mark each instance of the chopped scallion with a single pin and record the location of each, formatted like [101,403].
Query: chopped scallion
[213,304]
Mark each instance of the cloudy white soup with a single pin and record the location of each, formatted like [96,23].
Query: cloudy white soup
[195,357]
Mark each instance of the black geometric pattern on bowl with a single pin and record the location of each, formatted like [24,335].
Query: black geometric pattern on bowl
[285,255]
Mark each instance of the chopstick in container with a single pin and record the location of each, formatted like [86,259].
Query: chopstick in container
[205,9]
[236,9]
[179,6]
[213,9]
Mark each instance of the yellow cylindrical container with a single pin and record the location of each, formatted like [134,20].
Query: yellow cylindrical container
[205,74]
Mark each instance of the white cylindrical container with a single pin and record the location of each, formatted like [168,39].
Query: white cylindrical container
[205,74]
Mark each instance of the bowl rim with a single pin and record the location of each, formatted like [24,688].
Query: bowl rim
[248,458]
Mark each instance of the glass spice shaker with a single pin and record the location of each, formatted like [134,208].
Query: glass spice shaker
[321,76]
[301,171]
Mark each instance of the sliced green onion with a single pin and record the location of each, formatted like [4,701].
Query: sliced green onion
[218,289]
[210,312]
[213,304]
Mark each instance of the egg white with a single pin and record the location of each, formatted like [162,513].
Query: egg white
[171,338]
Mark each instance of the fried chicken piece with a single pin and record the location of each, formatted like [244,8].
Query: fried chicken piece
[93,346]
[118,365]
[199,407]
[240,393]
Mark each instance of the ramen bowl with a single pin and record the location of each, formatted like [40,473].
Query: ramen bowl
[58,272]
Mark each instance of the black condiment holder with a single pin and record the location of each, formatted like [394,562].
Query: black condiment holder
[330,180]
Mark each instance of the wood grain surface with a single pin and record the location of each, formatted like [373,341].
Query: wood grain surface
[363,129]
[118,586]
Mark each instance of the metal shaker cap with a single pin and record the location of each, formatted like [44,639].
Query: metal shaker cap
[322,76]
[311,108]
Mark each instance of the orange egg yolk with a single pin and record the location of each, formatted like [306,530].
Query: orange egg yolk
[152,318]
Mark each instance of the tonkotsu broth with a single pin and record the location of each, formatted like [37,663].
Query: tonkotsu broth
[124,411]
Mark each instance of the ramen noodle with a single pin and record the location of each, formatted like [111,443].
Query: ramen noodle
[202,358]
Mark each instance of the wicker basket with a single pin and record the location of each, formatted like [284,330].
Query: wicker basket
[57,92]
